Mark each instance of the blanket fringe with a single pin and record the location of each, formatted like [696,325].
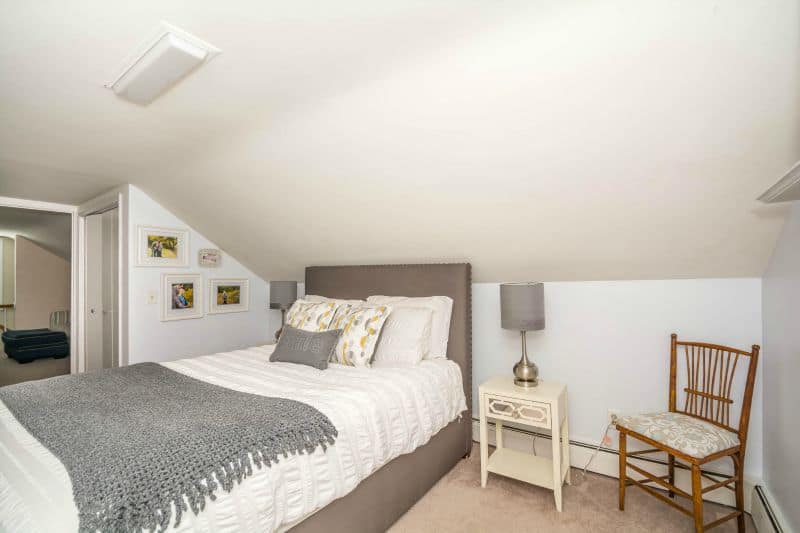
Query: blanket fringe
[156,514]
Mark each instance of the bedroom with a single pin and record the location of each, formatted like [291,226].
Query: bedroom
[614,151]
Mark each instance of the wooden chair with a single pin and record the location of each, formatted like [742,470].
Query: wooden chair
[698,433]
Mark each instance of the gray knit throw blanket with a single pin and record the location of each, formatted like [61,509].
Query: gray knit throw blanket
[138,440]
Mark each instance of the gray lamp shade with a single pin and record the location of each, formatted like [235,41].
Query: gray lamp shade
[282,294]
[522,306]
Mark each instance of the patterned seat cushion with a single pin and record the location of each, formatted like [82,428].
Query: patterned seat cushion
[692,436]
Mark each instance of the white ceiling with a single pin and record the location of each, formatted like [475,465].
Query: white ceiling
[550,140]
[51,231]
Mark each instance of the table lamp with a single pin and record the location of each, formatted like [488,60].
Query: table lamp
[282,295]
[522,309]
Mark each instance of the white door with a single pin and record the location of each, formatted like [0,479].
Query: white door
[110,288]
[102,285]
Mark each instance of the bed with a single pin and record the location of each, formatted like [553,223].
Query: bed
[400,430]
[386,495]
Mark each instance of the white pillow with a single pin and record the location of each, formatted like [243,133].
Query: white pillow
[405,337]
[442,308]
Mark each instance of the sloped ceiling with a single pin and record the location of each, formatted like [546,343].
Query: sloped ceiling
[51,231]
[549,140]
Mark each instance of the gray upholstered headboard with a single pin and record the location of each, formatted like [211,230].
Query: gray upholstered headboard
[453,280]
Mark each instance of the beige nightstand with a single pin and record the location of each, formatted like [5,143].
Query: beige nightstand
[542,407]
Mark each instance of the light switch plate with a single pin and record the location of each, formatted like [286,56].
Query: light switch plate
[152,297]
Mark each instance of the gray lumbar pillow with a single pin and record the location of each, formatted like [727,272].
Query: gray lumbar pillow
[305,347]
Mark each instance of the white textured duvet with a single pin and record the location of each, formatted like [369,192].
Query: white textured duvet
[380,413]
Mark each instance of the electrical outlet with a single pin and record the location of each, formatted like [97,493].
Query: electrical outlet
[613,415]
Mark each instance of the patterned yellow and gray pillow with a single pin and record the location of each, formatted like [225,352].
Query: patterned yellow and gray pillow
[361,326]
[294,311]
[310,316]
[344,308]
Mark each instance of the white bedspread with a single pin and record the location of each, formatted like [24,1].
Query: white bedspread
[380,413]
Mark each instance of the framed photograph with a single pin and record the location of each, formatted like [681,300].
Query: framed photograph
[228,295]
[181,296]
[162,247]
[209,257]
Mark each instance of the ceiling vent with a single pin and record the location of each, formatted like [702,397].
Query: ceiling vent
[164,59]
[787,188]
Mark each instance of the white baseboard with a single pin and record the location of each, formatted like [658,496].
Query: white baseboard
[607,462]
[766,514]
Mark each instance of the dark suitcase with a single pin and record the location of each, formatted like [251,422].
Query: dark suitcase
[57,350]
[26,345]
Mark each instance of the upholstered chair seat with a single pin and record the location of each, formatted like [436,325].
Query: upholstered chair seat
[687,434]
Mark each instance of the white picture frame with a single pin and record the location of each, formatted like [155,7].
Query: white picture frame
[173,247]
[228,295]
[209,257]
[176,290]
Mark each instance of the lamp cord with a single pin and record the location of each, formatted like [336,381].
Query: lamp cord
[600,444]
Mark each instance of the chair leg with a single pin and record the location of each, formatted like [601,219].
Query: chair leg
[671,466]
[623,461]
[738,465]
[697,498]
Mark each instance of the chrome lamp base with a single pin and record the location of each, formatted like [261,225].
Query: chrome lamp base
[526,373]
[283,323]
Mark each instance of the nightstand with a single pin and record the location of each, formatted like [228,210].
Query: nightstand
[541,407]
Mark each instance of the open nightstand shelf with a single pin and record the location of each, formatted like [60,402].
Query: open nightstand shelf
[525,467]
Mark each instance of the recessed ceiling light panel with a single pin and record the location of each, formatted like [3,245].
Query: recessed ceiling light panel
[166,58]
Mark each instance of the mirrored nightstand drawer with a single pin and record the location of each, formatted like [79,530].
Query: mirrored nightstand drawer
[515,410]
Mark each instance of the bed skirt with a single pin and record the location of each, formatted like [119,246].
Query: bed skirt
[378,501]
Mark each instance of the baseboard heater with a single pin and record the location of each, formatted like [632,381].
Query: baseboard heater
[763,513]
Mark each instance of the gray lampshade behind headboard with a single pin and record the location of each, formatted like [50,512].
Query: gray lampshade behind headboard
[282,294]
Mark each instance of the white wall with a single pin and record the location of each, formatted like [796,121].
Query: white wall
[7,281]
[781,369]
[609,342]
[153,340]
[42,284]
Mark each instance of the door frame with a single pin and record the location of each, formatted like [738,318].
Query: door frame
[117,197]
[75,348]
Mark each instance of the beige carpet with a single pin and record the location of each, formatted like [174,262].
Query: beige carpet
[458,504]
[12,372]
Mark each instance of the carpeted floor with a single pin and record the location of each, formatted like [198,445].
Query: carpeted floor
[458,504]
[12,372]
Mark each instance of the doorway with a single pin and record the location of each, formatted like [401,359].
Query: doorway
[102,289]
[36,291]
[115,199]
